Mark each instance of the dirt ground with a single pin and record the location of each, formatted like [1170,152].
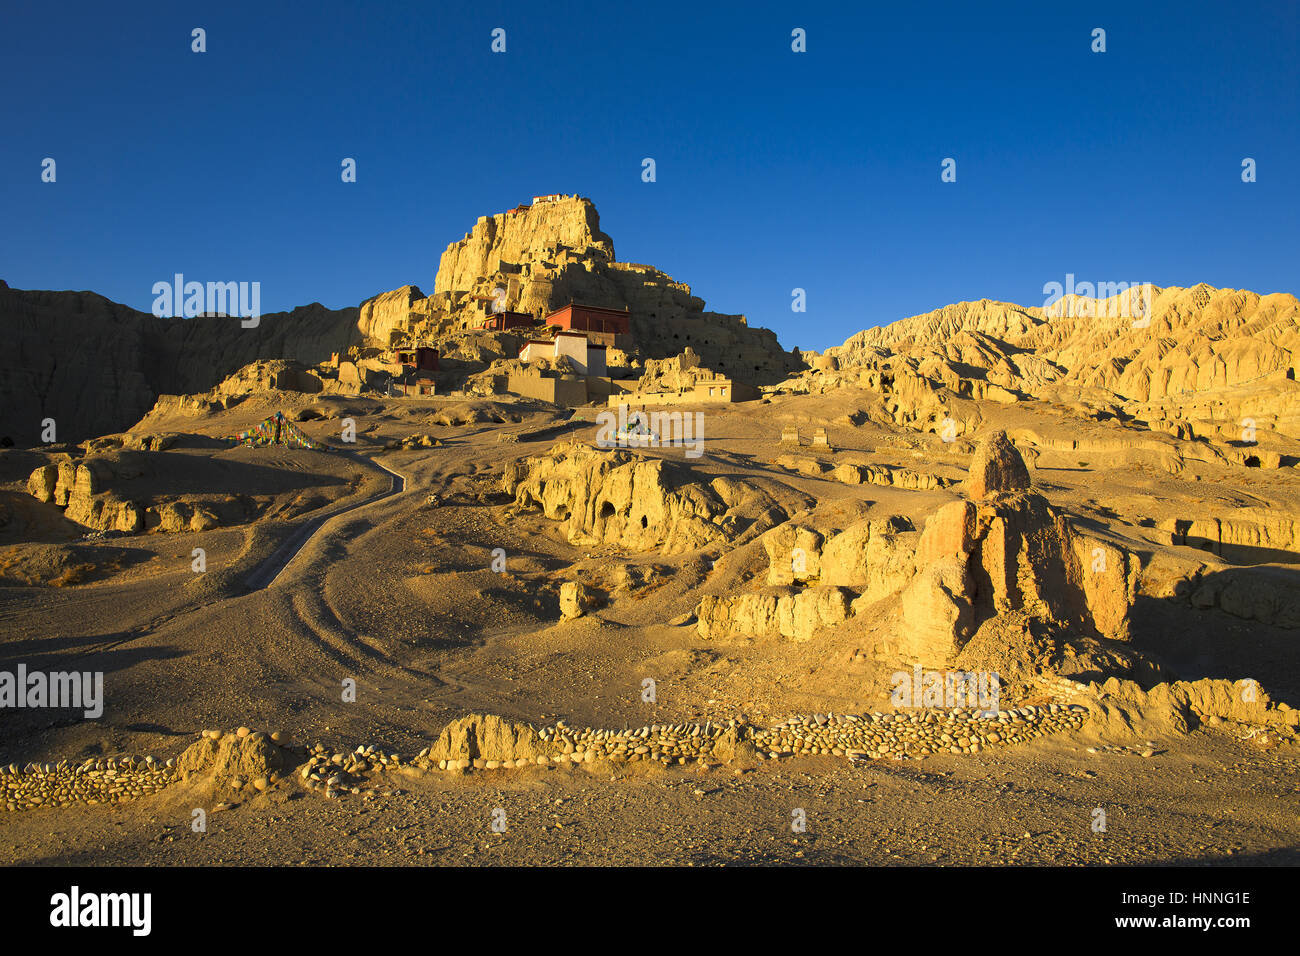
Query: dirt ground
[1211,801]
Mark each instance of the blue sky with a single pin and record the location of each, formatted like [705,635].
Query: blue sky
[775,170]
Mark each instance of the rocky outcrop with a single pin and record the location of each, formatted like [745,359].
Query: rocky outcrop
[641,504]
[540,257]
[889,477]
[1122,709]
[850,473]
[796,615]
[124,484]
[487,737]
[81,488]
[938,611]
[1249,534]
[997,467]
[536,233]
[1268,594]
[1008,553]
[235,758]
[873,557]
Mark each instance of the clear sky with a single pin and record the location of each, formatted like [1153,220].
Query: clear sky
[774,169]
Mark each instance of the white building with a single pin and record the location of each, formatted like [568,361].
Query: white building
[587,359]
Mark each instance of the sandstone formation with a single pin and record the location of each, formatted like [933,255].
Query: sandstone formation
[537,258]
[91,492]
[796,615]
[239,758]
[640,503]
[1201,365]
[996,468]
[82,489]
[1006,553]
[858,474]
[1121,708]
[486,737]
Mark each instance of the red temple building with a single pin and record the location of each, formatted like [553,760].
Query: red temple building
[505,321]
[589,318]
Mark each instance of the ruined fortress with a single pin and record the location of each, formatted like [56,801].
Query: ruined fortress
[535,261]
[493,291]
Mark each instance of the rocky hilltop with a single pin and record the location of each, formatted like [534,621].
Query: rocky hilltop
[523,237]
[1196,363]
[1193,340]
[540,257]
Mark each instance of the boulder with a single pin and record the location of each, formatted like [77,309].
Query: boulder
[996,467]
[487,737]
[247,758]
[575,599]
[42,482]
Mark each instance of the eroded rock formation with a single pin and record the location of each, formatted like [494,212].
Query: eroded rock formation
[1007,552]
[1195,363]
[639,503]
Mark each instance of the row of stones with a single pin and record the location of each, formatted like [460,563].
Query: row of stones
[875,736]
[667,743]
[870,736]
[918,734]
[94,781]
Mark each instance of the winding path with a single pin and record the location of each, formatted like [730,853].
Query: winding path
[265,574]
